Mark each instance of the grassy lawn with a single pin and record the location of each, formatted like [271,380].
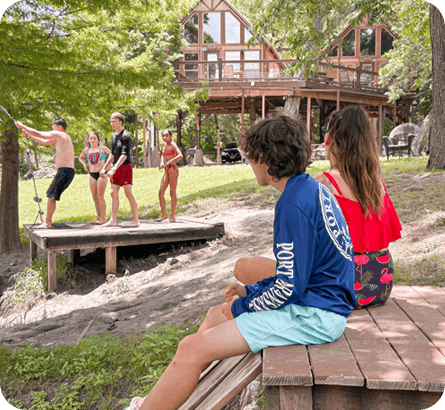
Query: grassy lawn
[93,373]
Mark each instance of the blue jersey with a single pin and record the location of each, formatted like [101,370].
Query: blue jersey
[313,250]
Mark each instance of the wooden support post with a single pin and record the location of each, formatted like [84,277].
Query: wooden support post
[218,147]
[32,251]
[75,254]
[52,270]
[308,118]
[110,259]
[295,397]
[263,107]
[252,111]
[242,111]
[338,100]
[380,127]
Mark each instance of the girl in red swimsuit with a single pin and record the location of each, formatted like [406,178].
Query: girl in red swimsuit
[355,181]
[170,154]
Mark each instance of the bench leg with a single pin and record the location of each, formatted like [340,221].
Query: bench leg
[288,397]
[52,270]
[110,260]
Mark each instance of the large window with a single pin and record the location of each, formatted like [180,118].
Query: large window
[367,42]
[333,52]
[247,35]
[348,46]
[233,29]
[212,27]
[191,32]
[387,40]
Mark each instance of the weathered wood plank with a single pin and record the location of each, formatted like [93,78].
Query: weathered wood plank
[378,362]
[32,251]
[334,363]
[361,398]
[435,296]
[295,397]
[286,366]
[422,314]
[422,358]
[110,260]
[210,381]
[245,372]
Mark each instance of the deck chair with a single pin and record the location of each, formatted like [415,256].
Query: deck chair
[344,78]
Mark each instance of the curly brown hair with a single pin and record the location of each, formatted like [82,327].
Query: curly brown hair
[355,149]
[281,143]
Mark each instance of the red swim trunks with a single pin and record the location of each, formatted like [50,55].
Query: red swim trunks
[123,176]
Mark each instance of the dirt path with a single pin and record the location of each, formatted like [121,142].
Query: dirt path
[179,282]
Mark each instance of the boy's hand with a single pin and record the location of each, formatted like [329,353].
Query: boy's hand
[234,290]
[227,308]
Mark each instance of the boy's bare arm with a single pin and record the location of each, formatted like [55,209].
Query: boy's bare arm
[42,137]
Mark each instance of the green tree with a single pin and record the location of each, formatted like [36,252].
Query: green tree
[313,24]
[82,60]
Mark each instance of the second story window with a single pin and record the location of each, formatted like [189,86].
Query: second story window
[367,42]
[233,32]
[386,42]
[212,27]
[247,35]
[191,32]
[348,46]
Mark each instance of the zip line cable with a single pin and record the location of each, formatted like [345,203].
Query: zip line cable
[36,197]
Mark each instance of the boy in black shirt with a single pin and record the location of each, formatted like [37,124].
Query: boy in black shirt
[121,174]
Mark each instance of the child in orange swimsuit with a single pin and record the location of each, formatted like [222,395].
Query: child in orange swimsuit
[170,154]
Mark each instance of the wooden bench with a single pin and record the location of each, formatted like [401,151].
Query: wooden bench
[389,358]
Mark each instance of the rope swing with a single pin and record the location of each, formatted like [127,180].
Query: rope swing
[36,197]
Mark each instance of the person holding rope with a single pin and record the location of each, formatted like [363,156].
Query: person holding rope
[64,162]
[170,154]
[95,154]
[310,294]
[121,174]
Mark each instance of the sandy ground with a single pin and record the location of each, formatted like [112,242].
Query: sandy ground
[171,283]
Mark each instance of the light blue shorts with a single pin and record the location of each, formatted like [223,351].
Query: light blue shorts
[291,325]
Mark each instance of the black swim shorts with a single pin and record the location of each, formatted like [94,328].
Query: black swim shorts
[61,181]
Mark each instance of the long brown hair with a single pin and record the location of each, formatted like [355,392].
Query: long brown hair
[354,147]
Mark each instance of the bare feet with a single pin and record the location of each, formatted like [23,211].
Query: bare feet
[162,218]
[93,222]
[99,222]
[172,219]
[110,223]
[132,224]
[43,226]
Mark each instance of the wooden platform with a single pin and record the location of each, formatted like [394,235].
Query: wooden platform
[390,357]
[80,235]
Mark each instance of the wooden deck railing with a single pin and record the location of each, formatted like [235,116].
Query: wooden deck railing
[272,71]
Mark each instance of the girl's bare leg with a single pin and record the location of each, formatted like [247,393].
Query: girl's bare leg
[173,179]
[101,186]
[93,189]
[194,354]
[162,203]
[251,270]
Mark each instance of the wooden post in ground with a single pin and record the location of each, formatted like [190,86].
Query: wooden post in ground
[52,270]
[144,133]
[263,107]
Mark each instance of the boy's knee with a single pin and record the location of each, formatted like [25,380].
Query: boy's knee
[241,266]
[189,352]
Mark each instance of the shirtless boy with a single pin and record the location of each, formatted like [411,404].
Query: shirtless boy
[121,174]
[64,162]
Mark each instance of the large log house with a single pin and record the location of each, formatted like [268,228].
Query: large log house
[256,81]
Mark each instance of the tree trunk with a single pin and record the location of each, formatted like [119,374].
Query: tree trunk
[437,138]
[9,194]
[292,106]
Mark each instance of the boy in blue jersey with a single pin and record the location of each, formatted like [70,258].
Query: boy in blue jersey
[311,291]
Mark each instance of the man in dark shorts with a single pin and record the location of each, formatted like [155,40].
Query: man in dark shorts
[121,174]
[64,162]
